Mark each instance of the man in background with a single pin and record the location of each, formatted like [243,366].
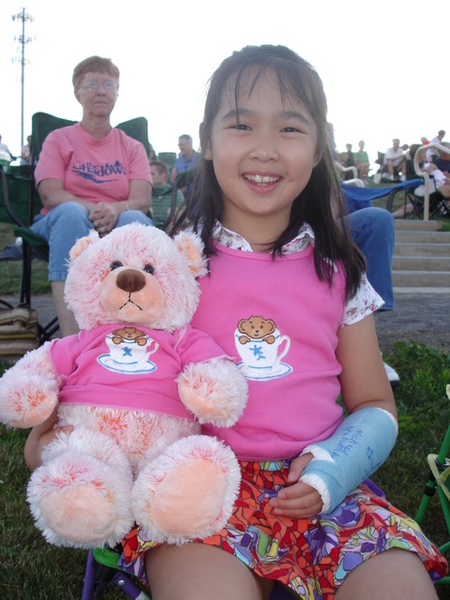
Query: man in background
[187,159]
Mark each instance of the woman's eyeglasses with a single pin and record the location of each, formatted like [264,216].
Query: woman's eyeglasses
[108,85]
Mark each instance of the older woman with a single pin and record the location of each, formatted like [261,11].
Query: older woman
[89,176]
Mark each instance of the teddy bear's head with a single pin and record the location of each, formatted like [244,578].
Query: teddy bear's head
[135,275]
[256,327]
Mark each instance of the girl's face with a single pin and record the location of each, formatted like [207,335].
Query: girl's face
[264,160]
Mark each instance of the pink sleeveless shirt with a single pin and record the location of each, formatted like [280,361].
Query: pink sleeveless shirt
[281,324]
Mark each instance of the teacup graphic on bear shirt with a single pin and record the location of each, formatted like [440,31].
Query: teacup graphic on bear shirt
[129,351]
[261,347]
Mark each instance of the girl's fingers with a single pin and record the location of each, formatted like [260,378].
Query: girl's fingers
[297,466]
[304,506]
[299,500]
[300,513]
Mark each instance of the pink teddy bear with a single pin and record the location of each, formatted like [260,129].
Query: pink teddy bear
[136,383]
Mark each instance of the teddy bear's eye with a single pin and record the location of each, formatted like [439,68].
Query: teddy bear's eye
[149,269]
[115,265]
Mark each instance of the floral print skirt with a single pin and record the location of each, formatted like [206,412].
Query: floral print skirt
[310,556]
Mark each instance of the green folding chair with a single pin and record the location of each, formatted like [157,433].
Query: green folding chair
[439,480]
[20,201]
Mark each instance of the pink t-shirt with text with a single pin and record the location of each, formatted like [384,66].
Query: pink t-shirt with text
[95,170]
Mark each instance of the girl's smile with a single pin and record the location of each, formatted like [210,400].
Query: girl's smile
[263,151]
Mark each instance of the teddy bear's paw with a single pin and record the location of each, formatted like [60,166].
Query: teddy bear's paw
[188,492]
[78,501]
[26,402]
[215,391]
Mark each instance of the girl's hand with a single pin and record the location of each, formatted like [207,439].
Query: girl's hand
[40,436]
[298,500]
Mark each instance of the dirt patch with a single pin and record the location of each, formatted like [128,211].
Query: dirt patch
[422,318]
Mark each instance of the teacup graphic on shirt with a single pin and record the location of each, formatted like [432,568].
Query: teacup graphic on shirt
[261,347]
[129,351]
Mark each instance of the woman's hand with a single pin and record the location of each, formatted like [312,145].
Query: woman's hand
[104,217]
[298,500]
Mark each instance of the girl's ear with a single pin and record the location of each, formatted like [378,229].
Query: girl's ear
[206,148]
[317,158]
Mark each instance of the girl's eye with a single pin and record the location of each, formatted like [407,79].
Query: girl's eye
[290,130]
[149,269]
[241,127]
[115,265]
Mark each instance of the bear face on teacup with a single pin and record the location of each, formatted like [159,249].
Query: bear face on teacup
[261,347]
[129,351]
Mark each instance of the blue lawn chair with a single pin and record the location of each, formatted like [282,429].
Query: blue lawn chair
[361,197]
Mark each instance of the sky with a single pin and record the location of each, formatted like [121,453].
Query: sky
[383,63]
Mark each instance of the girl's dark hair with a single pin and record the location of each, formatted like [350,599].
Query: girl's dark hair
[321,203]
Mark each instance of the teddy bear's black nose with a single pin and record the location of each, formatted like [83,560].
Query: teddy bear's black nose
[130,280]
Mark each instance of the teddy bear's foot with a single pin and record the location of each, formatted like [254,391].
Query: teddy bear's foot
[188,492]
[79,501]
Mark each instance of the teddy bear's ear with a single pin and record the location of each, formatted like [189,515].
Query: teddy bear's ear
[82,244]
[191,246]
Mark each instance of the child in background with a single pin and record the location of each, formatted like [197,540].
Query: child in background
[287,296]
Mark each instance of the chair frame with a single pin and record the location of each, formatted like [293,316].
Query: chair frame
[102,572]
[439,472]
[45,331]
[182,180]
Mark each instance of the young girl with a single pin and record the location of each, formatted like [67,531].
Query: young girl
[286,294]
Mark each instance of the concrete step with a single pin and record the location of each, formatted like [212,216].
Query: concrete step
[422,237]
[421,249]
[421,263]
[437,279]
[421,255]
[415,225]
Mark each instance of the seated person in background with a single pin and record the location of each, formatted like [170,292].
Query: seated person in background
[187,159]
[439,181]
[443,160]
[362,162]
[5,152]
[25,154]
[89,176]
[432,153]
[348,161]
[394,160]
[162,193]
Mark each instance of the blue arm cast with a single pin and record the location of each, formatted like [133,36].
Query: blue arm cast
[360,445]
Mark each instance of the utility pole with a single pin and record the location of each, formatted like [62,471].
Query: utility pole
[23,40]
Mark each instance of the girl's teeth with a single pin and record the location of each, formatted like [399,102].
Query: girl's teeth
[260,179]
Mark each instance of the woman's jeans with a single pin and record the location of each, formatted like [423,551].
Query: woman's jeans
[64,225]
[373,231]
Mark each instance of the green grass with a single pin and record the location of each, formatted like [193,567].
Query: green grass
[31,569]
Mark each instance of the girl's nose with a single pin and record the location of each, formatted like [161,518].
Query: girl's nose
[264,149]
